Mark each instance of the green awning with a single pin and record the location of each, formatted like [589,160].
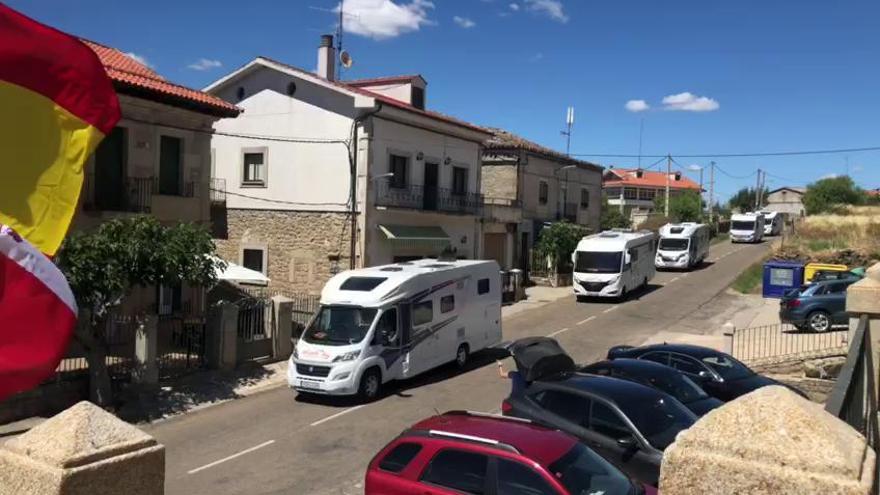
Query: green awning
[412,233]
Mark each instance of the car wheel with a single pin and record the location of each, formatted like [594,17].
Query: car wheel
[622,294]
[371,383]
[461,356]
[819,321]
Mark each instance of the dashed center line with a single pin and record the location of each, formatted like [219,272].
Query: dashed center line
[587,320]
[334,416]
[608,310]
[233,456]
[674,279]
[558,332]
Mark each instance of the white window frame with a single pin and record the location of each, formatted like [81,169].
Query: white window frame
[263,150]
[255,247]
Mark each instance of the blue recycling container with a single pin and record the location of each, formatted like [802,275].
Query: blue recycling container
[782,276]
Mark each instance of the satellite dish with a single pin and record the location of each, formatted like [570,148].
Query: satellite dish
[345,59]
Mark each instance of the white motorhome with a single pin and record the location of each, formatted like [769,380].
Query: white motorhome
[682,245]
[613,263]
[773,221]
[396,321]
[746,227]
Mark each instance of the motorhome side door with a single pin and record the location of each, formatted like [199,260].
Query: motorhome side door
[421,343]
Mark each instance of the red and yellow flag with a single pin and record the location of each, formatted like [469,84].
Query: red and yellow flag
[56,104]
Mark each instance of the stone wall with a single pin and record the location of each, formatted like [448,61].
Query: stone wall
[499,181]
[303,248]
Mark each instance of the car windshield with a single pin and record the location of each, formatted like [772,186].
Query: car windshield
[582,472]
[673,244]
[678,386]
[340,325]
[597,262]
[727,367]
[742,225]
[659,421]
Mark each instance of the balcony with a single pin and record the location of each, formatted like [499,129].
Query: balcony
[428,199]
[218,191]
[166,201]
[502,210]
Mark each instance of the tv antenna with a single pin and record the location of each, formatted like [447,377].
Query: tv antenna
[343,60]
[569,122]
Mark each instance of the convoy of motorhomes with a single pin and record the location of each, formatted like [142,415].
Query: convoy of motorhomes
[747,227]
[682,245]
[773,222]
[613,263]
[396,321]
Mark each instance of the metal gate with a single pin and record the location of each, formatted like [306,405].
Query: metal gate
[254,328]
[181,345]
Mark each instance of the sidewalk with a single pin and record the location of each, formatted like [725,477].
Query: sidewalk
[536,297]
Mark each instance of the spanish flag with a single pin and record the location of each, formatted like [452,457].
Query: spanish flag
[56,104]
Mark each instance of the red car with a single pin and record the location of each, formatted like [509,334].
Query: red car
[480,454]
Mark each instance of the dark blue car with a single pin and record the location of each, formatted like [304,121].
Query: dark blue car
[656,375]
[817,307]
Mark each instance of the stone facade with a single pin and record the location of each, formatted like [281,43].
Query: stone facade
[499,181]
[303,249]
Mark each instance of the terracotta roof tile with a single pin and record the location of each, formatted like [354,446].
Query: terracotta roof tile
[129,74]
[502,140]
[649,178]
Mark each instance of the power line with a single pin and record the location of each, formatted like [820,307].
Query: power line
[277,201]
[735,176]
[740,155]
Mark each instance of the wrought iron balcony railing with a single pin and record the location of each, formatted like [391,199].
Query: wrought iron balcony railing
[428,199]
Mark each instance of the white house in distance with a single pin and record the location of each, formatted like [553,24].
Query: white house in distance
[788,200]
[634,190]
[287,163]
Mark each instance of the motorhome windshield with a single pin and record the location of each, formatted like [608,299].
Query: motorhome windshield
[742,225]
[673,244]
[340,325]
[597,262]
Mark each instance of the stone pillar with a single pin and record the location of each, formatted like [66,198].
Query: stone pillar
[863,298]
[768,441]
[82,451]
[282,327]
[146,341]
[222,336]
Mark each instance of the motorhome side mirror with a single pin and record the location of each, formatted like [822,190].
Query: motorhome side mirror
[627,259]
[573,255]
[627,443]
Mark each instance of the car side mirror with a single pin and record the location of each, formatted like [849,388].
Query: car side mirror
[707,377]
[573,256]
[627,443]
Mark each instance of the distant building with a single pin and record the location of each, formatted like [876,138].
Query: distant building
[788,200]
[633,190]
[527,186]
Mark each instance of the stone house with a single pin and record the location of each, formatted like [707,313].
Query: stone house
[527,186]
[307,143]
[156,161]
[788,200]
[633,190]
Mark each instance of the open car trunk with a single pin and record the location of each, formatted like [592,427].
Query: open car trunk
[539,358]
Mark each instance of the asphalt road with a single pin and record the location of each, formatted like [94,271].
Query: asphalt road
[275,442]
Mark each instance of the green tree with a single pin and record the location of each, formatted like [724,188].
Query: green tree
[104,265]
[823,195]
[743,200]
[684,207]
[611,217]
[558,241]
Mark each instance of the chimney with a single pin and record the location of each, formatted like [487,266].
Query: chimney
[327,58]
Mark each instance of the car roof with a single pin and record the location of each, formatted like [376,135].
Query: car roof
[691,350]
[638,366]
[538,443]
[624,393]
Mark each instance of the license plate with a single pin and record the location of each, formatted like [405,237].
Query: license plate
[310,384]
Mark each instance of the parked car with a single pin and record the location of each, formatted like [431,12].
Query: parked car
[628,423]
[719,374]
[823,275]
[817,307]
[471,453]
[663,378]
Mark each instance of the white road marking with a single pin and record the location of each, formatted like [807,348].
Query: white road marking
[674,279]
[334,416]
[608,310]
[685,275]
[233,456]
[587,320]
[563,330]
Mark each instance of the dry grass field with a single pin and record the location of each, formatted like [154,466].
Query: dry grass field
[852,238]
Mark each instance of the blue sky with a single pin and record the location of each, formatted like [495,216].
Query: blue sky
[741,76]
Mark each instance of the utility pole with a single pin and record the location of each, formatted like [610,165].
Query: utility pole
[758,191]
[711,191]
[569,122]
[701,188]
[668,172]
[339,30]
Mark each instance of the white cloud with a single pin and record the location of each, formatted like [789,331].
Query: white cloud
[205,64]
[464,22]
[829,176]
[140,59]
[689,102]
[383,19]
[550,8]
[514,7]
[536,57]
[637,106]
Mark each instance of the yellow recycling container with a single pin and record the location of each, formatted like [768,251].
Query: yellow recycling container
[811,269]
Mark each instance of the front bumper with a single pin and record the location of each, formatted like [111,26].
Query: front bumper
[659,262]
[340,379]
[596,289]
[742,238]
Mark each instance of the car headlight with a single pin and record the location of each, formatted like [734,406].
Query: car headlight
[681,257]
[348,356]
[295,354]
[614,280]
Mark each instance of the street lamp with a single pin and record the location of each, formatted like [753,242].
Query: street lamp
[699,168]
[382,176]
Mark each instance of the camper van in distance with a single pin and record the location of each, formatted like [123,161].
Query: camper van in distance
[396,321]
[773,221]
[746,227]
[682,245]
[613,263]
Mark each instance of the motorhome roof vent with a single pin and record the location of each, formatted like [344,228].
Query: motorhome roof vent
[361,284]
[608,234]
[677,230]
[391,269]
[438,265]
